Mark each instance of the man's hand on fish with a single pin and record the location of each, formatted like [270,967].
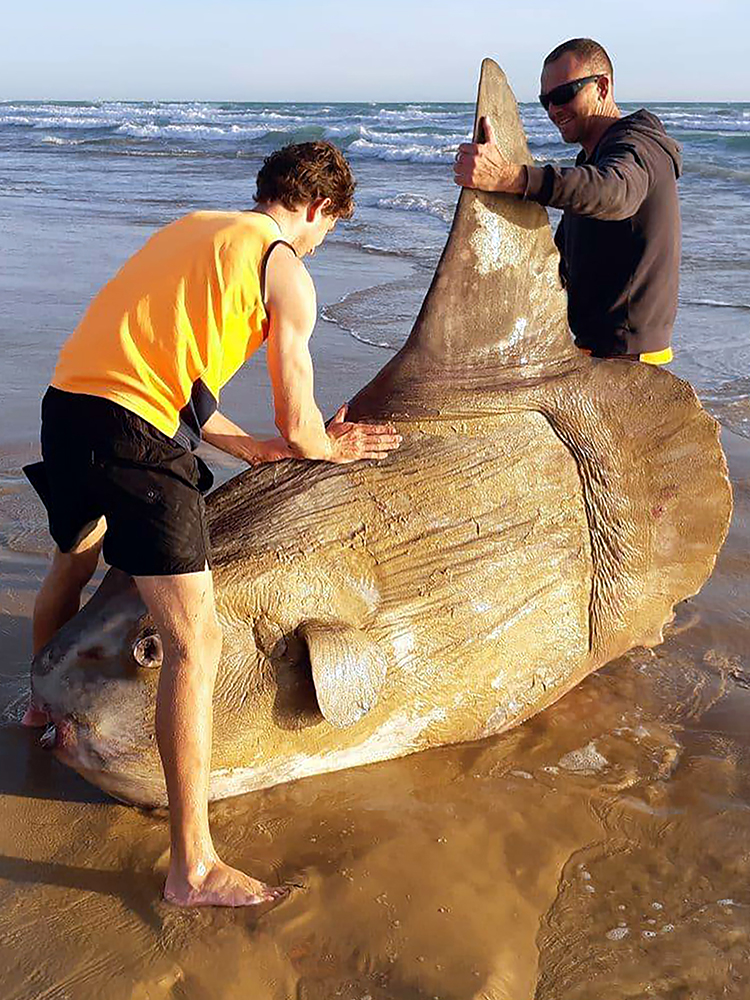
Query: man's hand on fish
[351,442]
[480,165]
[348,441]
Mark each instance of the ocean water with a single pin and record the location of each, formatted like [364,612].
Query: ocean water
[83,184]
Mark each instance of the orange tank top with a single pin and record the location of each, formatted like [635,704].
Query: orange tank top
[176,321]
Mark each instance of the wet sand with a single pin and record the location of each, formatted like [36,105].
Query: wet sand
[599,851]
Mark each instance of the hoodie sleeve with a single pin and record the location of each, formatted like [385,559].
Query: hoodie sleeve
[611,189]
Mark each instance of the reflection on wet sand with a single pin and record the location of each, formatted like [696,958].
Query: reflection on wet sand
[599,851]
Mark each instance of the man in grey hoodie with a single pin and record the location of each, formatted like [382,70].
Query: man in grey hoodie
[619,237]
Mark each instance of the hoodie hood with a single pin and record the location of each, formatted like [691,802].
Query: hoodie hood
[644,125]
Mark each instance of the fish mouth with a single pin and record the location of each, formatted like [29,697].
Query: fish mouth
[65,738]
[75,744]
[60,735]
[49,736]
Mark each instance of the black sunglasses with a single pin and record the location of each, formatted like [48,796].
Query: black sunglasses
[566,91]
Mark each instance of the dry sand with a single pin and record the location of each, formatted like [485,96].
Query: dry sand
[599,851]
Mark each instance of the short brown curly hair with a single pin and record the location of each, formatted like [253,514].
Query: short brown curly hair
[303,172]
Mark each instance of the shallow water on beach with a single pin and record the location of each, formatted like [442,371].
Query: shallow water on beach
[83,184]
[598,851]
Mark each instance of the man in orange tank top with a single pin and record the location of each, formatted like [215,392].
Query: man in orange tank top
[136,387]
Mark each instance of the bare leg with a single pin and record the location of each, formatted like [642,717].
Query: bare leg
[59,598]
[183,611]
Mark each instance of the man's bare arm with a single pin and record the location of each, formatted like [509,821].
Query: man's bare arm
[291,305]
[611,190]
[290,300]
[224,434]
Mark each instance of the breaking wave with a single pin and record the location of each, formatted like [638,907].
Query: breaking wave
[408,154]
[716,304]
[405,202]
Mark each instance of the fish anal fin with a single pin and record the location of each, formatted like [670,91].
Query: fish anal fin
[348,669]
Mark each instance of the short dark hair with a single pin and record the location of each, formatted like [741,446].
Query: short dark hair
[303,172]
[588,51]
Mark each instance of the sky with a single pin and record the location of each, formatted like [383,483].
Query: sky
[347,50]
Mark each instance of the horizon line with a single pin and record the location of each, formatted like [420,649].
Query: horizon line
[412,100]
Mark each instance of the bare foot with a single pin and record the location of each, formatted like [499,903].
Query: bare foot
[34,717]
[222,886]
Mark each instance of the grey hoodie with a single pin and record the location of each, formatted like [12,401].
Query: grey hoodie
[619,237]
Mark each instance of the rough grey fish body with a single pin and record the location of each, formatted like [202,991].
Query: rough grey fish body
[544,515]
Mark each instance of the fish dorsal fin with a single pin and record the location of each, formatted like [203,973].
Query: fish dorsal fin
[348,670]
[495,311]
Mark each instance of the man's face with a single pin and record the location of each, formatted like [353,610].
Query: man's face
[325,226]
[318,227]
[574,118]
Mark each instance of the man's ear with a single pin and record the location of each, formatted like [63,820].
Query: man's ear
[603,86]
[316,208]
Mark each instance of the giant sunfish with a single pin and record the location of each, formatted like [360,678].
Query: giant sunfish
[544,514]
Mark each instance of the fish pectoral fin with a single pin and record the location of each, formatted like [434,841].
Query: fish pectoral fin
[348,670]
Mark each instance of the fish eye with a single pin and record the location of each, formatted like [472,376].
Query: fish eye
[148,651]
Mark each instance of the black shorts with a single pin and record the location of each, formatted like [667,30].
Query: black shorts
[101,459]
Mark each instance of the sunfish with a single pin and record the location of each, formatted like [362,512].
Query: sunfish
[544,514]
